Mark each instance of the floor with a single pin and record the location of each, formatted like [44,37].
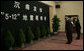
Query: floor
[56,42]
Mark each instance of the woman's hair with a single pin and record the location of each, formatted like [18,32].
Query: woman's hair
[77,19]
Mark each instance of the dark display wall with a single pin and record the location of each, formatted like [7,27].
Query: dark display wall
[17,15]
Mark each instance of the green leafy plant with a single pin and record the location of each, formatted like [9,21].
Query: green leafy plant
[9,40]
[56,24]
[2,39]
[22,38]
[44,32]
[30,36]
[38,33]
[48,32]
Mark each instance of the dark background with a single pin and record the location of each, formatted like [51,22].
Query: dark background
[15,25]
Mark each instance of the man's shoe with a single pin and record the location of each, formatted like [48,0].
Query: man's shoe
[68,43]
[77,38]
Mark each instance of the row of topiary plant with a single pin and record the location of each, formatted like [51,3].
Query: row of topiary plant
[9,39]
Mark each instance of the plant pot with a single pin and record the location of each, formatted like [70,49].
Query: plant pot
[22,45]
[55,33]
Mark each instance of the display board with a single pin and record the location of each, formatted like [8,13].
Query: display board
[17,15]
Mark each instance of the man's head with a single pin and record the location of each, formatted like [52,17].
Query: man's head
[71,19]
[76,19]
[66,18]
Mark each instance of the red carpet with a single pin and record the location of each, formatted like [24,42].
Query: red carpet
[56,42]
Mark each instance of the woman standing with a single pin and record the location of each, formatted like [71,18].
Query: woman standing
[78,28]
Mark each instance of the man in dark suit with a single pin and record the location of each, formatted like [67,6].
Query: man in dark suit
[68,28]
[78,28]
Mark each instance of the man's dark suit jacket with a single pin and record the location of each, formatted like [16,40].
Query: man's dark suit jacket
[68,26]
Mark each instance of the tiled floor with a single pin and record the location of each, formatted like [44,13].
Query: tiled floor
[56,42]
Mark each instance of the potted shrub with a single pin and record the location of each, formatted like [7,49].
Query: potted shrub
[9,40]
[44,33]
[30,36]
[22,38]
[38,33]
[2,39]
[48,31]
[56,24]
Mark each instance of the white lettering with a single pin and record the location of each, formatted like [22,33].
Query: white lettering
[34,8]
[6,16]
[2,13]
[40,9]
[14,16]
[27,6]
[25,17]
[41,18]
[36,17]
[16,4]
[45,18]
[31,17]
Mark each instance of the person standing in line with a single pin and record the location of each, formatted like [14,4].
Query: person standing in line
[68,29]
[78,28]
